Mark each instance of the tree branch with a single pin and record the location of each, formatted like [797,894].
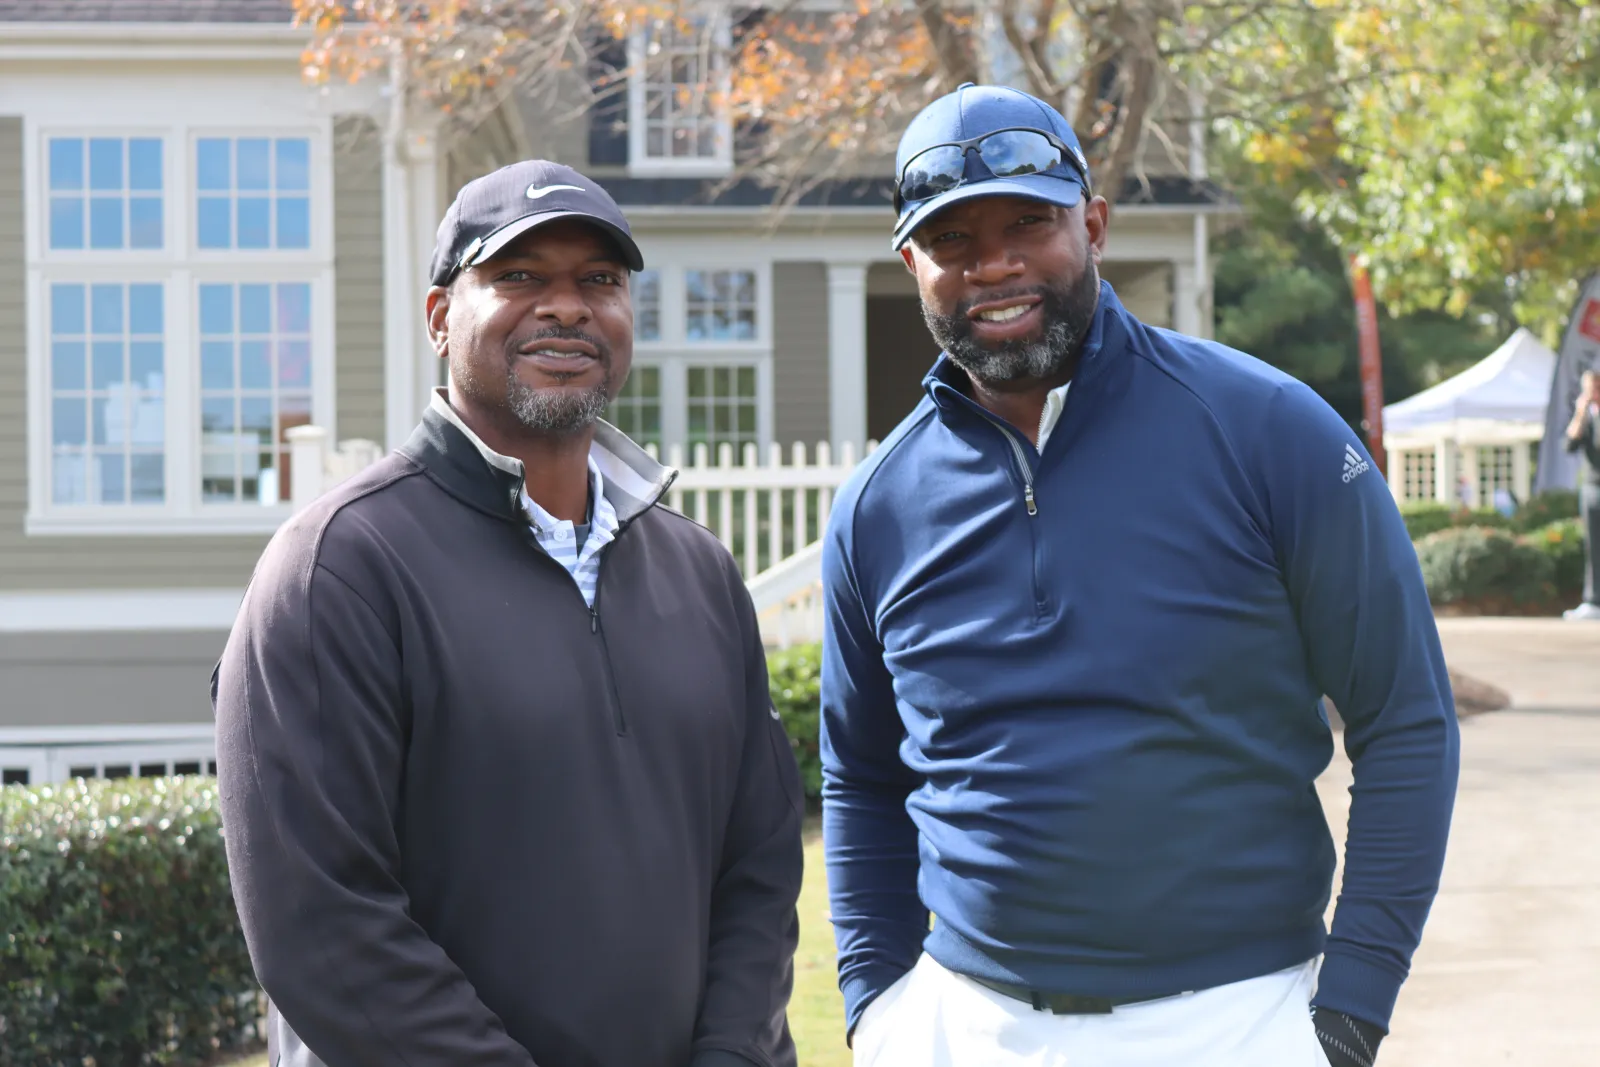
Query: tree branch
[954,54]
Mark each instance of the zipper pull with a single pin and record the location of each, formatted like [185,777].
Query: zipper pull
[594,621]
[1027,498]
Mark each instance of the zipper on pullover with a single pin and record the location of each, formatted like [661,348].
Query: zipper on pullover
[619,722]
[1024,468]
[595,628]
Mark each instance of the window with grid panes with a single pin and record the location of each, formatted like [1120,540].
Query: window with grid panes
[107,413]
[676,113]
[637,409]
[255,382]
[1495,471]
[123,341]
[724,407]
[646,291]
[720,305]
[105,193]
[253,192]
[1418,471]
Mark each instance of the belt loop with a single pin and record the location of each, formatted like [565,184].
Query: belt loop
[1037,999]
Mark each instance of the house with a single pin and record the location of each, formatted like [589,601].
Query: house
[199,252]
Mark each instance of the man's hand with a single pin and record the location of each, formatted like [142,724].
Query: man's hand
[1347,1042]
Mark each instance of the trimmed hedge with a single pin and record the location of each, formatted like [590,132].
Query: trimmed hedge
[122,946]
[1427,517]
[794,677]
[1475,565]
[1424,517]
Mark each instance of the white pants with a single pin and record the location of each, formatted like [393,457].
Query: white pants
[933,1017]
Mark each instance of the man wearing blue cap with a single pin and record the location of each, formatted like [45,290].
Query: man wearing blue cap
[1081,609]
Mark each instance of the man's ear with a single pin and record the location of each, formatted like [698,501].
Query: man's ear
[437,310]
[911,263]
[1097,220]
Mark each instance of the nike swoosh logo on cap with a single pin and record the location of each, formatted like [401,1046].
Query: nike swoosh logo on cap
[535,192]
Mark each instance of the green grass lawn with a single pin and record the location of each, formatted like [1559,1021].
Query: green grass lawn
[816,1012]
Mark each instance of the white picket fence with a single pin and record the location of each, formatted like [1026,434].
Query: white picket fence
[770,515]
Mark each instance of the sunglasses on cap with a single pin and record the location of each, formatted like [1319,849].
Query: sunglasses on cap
[1006,153]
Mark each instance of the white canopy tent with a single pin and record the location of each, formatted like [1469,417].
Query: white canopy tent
[1475,433]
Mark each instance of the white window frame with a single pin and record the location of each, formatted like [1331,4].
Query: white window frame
[180,266]
[674,353]
[640,164]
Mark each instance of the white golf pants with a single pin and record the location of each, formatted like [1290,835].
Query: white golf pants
[933,1017]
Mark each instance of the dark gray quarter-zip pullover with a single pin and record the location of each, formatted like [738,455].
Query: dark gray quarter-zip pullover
[471,823]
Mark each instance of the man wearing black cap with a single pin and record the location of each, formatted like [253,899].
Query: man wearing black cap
[502,782]
[1081,607]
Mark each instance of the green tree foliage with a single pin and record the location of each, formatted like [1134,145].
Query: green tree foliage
[1282,294]
[1455,145]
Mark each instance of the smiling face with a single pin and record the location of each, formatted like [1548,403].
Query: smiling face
[539,338]
[1009,285]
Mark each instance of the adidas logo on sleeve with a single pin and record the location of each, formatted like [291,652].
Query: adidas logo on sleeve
[1354,465]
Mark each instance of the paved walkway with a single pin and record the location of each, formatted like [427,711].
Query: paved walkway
[1509,969]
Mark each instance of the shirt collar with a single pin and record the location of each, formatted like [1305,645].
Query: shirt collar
[632,479]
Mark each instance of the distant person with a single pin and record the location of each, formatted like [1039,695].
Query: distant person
[1583,435]
[1505,501]
[501,777]
[1081,609]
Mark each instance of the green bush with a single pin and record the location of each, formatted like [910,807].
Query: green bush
[1485,569]
[1544,509]
[1424,517]
[1562,543]
[794,677]
[122,946]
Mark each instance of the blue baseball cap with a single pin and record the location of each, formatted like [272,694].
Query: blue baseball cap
[972,111]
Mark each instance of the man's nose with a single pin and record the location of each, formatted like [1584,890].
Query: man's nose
[995,264]
[563,304]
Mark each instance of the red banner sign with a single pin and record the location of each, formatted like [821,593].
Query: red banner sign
[1371,364]
[1589,321]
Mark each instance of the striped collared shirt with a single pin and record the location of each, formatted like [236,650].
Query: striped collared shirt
[558,537]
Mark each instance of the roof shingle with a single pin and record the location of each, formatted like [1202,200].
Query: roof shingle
[268,11]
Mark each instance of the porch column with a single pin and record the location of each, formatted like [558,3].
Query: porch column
[847,354]
[1397,472]
[422,158]
[399,294]
[1445,471]
[1469,470]
[410,219]
[1521,471]
[1187,294]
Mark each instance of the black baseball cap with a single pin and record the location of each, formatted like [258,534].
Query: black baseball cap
[492,211]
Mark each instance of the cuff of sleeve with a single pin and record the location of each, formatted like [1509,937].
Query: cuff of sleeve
[860,989]
[719,1057]
[1360,989]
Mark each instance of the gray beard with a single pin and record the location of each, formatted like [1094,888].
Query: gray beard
[1068,313]
[557,412]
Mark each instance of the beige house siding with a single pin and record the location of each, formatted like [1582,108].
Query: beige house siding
[358,278]
[800,353]
[107,679]
[1144,289]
